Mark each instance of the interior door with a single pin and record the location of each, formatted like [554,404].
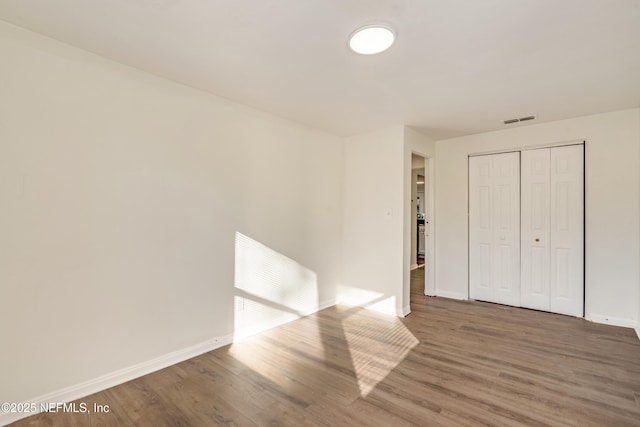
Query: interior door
[535,228]
[494,228]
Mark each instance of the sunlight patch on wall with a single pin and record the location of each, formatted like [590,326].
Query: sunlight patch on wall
[391,339]
[371,300]
[271,289]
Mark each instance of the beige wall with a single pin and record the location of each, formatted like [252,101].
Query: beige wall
[121,195]
[373,220]
[377,217]
[612,207]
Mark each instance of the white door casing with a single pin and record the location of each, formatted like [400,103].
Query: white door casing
[494,228]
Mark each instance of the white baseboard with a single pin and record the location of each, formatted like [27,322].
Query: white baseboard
[120,376]
[608,320]
[414,266]
[452,295]
[638,331]
[279,321]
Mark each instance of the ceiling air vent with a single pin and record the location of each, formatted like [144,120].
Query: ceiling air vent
[521,119]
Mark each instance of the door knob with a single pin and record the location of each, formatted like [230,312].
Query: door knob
[537,240]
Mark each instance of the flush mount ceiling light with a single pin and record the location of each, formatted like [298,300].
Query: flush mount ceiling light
[371,39]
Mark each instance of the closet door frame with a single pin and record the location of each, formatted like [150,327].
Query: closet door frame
[582,143]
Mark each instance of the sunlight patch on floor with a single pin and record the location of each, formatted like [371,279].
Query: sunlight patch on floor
[391,340]
[267,355]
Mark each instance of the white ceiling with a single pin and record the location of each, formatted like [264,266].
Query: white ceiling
[458,66]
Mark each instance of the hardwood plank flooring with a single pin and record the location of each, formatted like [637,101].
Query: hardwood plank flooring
[448,363]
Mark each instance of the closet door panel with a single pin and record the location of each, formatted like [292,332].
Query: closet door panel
[535,230]
[494,221]
[506,231]
[567,230]
[480,228]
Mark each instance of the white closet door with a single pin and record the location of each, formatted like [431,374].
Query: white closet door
[567,230]
[553,229]
[535,229]
[494,228]
[480,228]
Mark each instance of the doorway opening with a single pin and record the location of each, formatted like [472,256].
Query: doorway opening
[421,263]
[418,206]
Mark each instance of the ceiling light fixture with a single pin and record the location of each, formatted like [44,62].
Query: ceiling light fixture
[371,39]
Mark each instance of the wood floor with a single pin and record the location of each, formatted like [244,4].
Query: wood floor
[449,363]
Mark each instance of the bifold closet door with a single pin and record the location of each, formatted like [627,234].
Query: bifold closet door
[535,228]
[553,229]
[567,230]
[494,228]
